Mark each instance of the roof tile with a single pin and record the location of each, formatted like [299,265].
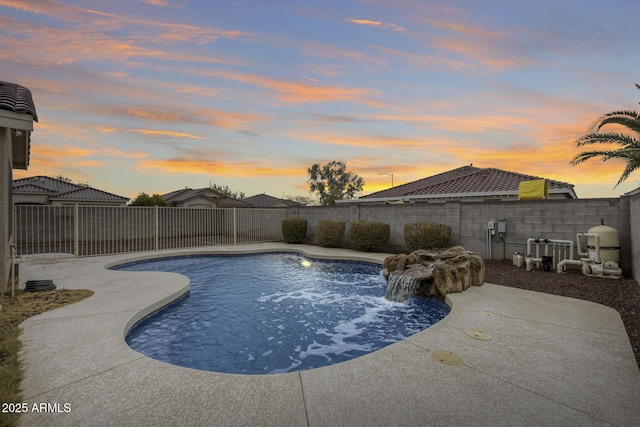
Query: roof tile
[466,179]
[17,98]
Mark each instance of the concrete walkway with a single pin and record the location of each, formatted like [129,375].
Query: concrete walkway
[550,361]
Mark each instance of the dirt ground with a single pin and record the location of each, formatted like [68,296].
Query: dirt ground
[622,294]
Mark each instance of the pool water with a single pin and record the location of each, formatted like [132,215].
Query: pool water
[275,313]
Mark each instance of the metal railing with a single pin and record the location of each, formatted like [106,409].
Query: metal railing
[58,231]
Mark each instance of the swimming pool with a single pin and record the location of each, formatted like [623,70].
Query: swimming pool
[274,313]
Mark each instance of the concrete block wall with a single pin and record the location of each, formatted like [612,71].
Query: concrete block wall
[551,219]
[544,219]
[634,221]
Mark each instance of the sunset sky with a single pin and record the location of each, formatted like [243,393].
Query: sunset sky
[156,95]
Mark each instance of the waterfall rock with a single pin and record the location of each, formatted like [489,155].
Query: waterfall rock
[434,274]
[401,287]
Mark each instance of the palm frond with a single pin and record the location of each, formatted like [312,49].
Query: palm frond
[632,166]
[586,155]
[629,150]
[627,118]
[608,138]
[628,154]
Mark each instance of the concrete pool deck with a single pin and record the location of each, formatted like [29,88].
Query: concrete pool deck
[550,361]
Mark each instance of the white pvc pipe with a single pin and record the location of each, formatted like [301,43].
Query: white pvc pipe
[597,249]
[546,242]
[560,267]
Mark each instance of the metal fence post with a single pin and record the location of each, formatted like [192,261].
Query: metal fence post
[157,227]
[76,227]
[235,227]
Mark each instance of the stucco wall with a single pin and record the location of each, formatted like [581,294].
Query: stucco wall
[552,219]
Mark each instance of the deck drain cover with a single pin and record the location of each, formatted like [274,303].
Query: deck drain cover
[479,335]
[446,357]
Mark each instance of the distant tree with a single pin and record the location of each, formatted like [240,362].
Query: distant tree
[69,180]
[303,200]
[226,192]
[333,182]
[628,145]
[143,199]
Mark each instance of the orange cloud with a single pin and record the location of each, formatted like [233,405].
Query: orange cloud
[170,31]
[202,116]
[470,46]
[365,22]
[369,141]
[47,160]
[43,151]
[67,45]
[299,93]
[91,36]
[324,50]
[173,134]
[465,28]
[215,167]
[489,55]
[162,3]
[372,23]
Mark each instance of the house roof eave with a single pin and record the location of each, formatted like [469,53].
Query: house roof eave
[467,195]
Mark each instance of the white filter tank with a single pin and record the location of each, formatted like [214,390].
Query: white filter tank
[609,243]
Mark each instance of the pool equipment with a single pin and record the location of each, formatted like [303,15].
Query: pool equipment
[600,258]
[602,255]
[554,251]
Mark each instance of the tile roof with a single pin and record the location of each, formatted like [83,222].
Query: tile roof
[58,189]
[29,188]
[265,201]
[466,179]
[88,193]
[184,194]
[228,202]
[50,185]
[17,98]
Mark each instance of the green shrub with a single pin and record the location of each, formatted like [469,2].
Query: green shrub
[329,233]
[294,230]
[426,235]
[369,236]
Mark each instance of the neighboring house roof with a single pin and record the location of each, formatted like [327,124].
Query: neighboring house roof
[29,188]
[228,202]
[267,201]
[466,181]
[61,190]
[88,193]
[184,195]
[18,112]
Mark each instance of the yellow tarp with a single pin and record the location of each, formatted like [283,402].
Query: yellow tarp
[535,189]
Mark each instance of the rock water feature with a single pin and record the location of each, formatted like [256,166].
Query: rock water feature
[432,274]
[400,287]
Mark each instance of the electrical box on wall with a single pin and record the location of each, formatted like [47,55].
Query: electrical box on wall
[491,225]
[502,226]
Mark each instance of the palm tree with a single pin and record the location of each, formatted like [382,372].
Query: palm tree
[629,146]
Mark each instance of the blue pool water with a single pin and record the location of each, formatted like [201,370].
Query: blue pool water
[273,313]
